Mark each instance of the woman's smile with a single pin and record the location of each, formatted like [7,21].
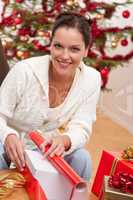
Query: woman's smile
[64,64]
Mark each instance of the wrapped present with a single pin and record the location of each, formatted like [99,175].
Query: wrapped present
[57,179]
[114,193]
[54,185]
[42,179]
[110,163]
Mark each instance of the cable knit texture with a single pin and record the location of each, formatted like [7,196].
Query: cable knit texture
[24,103]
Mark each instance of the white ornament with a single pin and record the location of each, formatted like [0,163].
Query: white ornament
[81,3]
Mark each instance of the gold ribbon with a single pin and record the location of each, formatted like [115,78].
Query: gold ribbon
[113,167]
[9,181]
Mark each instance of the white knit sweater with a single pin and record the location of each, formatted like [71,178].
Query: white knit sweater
[24,102]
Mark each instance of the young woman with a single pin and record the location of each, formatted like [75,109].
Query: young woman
[55,94]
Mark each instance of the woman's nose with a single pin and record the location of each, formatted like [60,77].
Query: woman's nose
[65,54]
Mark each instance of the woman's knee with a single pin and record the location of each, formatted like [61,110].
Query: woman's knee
[80,160]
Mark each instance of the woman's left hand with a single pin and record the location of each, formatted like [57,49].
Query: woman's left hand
[58,145]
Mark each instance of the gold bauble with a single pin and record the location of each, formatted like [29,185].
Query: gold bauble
[24,38]
[114,44]
[99,16]
[20,53]
[4,43]
[40,33]
[7,43]
[13,28]
[70,2]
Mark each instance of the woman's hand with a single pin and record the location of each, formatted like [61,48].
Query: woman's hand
[15,151]
[59,144]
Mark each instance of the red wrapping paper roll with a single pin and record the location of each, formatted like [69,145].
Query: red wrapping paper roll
[60,163]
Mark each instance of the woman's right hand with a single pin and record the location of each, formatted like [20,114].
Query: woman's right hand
[15,151]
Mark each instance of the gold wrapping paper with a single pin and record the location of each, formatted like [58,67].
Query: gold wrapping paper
[12,185]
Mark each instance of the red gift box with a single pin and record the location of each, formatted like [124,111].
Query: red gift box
[110,163]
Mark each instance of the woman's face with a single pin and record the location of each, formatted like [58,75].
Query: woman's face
[67,50]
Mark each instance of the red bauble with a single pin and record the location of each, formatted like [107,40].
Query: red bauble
[124,42]
[26,54]
[104,72]
[18,20]
[19,1]
[57,6]
[126,14]
[8,21]
[37,45]
[104,76]
[92,6]
[24,31]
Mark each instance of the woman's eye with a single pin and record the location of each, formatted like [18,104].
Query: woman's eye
[73,49]
[58,46]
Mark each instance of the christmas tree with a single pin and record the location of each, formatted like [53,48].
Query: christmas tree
[4,68]
[25,29]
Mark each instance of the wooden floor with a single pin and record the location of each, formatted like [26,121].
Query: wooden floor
[106,135]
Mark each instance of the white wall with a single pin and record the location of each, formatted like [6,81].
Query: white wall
[118,104]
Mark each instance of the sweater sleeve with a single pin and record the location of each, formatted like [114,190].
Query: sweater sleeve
[10,94]
[80,126]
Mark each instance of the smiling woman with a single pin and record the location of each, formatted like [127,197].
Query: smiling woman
[56,94]
[66,56]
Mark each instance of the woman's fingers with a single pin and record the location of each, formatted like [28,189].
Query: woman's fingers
[15,151]
[44,144]
[58,151]
[51,149]
[57,147]
[20,153]
[12,153]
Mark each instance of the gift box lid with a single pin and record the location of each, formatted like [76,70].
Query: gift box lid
[114,194]
[38,163]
